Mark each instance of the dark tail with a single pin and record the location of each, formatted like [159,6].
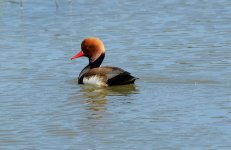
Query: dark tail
[122,79]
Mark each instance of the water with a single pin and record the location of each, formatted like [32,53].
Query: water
[180,50]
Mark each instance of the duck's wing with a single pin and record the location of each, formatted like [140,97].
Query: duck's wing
[112,75]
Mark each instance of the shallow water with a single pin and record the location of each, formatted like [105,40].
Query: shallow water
[179,50]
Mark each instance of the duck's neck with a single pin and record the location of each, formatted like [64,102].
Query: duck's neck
[97,62]
[91,65]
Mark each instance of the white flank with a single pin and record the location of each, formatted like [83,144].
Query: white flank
[94,80]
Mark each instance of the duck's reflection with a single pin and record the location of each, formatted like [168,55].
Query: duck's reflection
[97,98]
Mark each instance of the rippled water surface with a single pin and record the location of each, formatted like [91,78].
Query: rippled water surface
[179,50]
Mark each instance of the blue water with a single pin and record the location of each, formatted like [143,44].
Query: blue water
[179,50]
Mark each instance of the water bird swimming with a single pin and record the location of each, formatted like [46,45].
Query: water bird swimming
[94,49]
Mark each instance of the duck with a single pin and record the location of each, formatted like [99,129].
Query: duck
[93,48]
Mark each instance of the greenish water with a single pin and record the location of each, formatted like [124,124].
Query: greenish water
[179,50]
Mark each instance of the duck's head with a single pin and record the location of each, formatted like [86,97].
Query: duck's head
[92,48]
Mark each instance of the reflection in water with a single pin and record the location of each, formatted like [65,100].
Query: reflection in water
[97,97]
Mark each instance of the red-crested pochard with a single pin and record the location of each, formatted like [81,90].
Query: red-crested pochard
[93,48]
